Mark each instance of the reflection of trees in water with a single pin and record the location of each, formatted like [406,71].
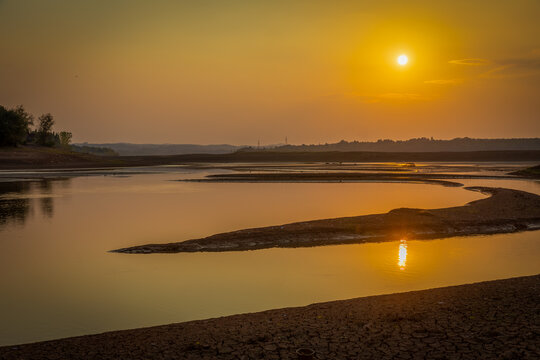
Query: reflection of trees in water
[14,210]
[15,207]
[47,206]
[45,186]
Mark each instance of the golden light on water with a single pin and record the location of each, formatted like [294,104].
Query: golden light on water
[402,256]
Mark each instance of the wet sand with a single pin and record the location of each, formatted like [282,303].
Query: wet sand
[505,211]
[489,320]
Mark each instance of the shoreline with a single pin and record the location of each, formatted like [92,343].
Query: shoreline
[505,211]
[51,158]
[497,319]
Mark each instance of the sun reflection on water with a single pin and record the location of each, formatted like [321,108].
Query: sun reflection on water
[402,256]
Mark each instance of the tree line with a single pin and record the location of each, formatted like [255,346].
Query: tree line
[418,145]
[18,127]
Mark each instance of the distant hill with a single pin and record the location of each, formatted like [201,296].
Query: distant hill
[128,149]
[418,145]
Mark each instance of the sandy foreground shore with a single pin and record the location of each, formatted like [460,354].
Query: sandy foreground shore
[505,211]
[489,320]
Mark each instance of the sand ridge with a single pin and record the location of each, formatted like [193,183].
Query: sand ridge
[505,211]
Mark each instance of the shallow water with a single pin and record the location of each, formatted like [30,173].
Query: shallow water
[59,280]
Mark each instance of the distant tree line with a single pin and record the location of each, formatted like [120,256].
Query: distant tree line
[415,145]
[101,151]
[17,127]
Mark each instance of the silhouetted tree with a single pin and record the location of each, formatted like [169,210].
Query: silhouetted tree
[65,138]
[26,117]
[45,136]
[14,126]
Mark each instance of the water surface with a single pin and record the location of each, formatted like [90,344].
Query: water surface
[59,280]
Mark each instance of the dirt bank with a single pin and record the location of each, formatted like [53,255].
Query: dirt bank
[30,157]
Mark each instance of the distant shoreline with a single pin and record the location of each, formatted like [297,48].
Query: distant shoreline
[386,145]
[47,158]
[488,320]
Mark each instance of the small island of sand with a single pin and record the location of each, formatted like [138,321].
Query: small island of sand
[505,211]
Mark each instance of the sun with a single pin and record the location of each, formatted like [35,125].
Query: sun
[402,59]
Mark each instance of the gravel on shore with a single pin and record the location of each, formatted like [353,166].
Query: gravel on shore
[489,320]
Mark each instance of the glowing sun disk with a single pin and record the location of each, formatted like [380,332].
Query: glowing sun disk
[402,60]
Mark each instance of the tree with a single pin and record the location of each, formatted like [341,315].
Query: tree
[14,126]
[46,123]
[65,138]
[24,116]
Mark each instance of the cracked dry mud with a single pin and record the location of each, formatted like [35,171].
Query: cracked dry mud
[489,320]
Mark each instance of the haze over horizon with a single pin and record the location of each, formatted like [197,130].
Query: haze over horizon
[237,72]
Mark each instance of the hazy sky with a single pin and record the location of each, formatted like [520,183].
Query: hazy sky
[237,71]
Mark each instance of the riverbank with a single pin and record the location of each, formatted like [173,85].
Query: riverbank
[33,157]
[505,211]
[489,320]
[29,157]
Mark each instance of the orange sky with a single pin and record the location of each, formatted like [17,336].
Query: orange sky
[237,71]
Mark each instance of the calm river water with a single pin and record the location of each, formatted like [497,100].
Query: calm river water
[58,278]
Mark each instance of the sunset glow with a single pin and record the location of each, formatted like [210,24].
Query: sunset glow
[312,71]
[179,168]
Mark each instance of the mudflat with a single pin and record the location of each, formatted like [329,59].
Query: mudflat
[489,320]
[504,211]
